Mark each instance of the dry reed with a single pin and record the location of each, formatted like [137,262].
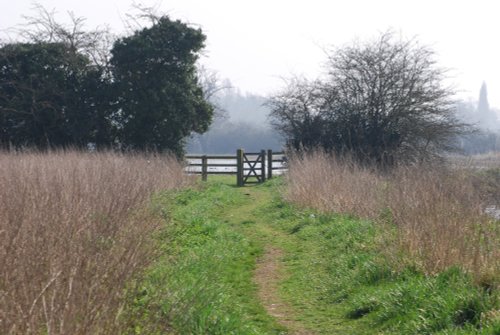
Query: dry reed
[73,231]
[328,184]
[439,212]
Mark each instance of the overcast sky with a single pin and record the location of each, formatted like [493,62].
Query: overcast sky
[256,43]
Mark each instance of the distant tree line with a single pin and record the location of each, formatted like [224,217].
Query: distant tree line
[242,122]
[63,86]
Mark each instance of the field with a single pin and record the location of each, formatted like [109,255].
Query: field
[128,244]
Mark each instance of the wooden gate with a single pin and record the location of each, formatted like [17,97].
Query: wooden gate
[251,167]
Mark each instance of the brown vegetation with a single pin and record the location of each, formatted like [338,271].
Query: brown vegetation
[73,230]
[439,213]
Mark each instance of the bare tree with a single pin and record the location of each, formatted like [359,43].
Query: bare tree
[42,27]
[212,87]
[298,114]
[381,101]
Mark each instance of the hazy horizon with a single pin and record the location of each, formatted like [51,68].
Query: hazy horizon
[256,45]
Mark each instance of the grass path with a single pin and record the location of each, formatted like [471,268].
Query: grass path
[242,261]
[291,271]
[269,272]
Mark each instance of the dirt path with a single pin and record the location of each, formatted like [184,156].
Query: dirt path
[269,271]
[268,274]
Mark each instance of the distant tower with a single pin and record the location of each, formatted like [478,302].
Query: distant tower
[486,117]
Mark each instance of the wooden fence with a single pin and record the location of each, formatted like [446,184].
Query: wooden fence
[251,167]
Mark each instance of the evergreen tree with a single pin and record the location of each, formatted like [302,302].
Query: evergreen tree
[486,116]
[47,96]
[64,87]
[159,95]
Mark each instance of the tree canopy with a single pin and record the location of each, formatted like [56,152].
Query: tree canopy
[381,101]
[159,96]
[46,96]
[66,87]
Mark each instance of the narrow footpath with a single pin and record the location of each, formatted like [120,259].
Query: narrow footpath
[292,272]
[268,275]
[240,261]
[269,271]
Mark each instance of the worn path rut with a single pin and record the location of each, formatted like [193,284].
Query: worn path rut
[270,271]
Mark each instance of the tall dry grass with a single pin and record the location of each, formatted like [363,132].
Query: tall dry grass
[328,184]
[439,212]
[73,230]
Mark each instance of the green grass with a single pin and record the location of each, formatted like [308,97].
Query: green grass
[343,283]
[337,276]
[203,283]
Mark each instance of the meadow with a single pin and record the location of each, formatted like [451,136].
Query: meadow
[108,243]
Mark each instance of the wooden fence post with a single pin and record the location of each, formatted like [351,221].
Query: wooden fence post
[239,169]
[263,166]
[204,168]
[269,163]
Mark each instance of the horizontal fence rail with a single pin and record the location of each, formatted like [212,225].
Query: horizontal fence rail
[252,167]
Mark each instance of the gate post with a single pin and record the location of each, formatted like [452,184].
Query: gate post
[269,163]
[204,168]
[263,165]
[239,167]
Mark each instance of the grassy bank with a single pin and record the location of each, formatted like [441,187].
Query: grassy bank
[336,275]
[439,212]
[344,282]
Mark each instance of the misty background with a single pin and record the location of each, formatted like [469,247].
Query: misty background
[243,121]
[252,46]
